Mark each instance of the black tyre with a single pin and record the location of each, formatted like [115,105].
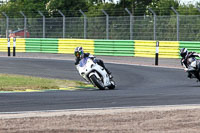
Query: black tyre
[97,82]
[112,86]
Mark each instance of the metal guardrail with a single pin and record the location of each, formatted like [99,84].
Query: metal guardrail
[137,48]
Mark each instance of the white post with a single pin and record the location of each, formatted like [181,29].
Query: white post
[8,46]
[157,52]
[14,46]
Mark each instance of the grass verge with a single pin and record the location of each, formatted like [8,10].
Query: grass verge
[10,82]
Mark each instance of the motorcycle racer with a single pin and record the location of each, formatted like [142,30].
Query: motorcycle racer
[187,59]
[79,54]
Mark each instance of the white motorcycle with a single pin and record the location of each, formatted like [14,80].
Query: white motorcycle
[95,74]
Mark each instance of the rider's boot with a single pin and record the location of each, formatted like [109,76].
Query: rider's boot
[109,73]
[100,62]
[198,79]
[197,76]
[189,75]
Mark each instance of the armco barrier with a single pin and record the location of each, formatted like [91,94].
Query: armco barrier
[114,47]
[144,48]
[168,49]
[49,45]
[68,45]
[138,48]
[33,45]
[21,46]
[41,45]
[191,46]
[4,44]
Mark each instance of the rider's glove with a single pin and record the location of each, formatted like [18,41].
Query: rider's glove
[92,57]
[186,69]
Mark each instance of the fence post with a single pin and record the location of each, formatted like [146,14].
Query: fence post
[63,22]
[25,22]
[177,25]
[43,23]
[7,23]
[85,24]
[154,29]
[14,46]
[107,23]
[131,23]
[8,46]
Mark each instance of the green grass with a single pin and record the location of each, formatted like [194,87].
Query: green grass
[10,82]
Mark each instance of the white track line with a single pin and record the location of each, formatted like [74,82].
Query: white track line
[96,111]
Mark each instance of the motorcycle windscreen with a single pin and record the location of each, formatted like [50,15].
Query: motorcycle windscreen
[83,62]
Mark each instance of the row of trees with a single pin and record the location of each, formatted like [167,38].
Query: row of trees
[93,7]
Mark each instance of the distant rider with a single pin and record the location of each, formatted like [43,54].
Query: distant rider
[79,54]
[187,59]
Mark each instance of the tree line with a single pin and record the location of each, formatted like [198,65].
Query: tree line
[93,7]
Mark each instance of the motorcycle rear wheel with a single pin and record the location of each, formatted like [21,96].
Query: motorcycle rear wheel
[97,82]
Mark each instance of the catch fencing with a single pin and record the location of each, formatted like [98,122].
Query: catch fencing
[147,27]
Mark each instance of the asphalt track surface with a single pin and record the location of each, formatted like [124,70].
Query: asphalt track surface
[136,86]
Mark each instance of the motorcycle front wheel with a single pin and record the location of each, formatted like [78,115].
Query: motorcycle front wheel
[97,82]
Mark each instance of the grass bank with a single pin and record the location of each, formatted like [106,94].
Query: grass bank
[10,82]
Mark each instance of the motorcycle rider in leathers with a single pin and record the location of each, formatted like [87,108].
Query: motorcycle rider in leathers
[79,54]
[187,60]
